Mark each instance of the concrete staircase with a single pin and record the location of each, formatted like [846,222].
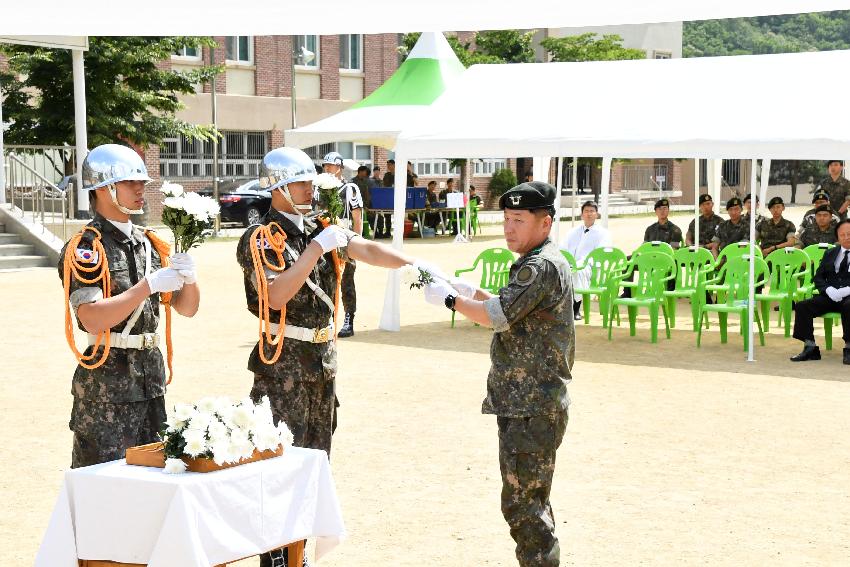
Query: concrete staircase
[15,255]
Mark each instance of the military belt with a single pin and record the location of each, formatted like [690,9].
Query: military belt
[305,334]
[145,341]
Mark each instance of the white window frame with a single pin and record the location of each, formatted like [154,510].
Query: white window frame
[488,166]
[317,153]
[349,69]
[661,54]
[237,61]
[189,58]
[434,168]
[317,61]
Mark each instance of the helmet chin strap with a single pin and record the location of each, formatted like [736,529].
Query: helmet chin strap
[113,192]
[300,209]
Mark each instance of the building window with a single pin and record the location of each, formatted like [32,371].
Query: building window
[361,153]
[188,53]
[662,55]
[485,167]
[434,168]
[239,48]
[240,154]
[304,46]
[351,52]
[730,172]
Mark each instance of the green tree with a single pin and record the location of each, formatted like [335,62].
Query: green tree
[506,46]
[589,47]
[128,96]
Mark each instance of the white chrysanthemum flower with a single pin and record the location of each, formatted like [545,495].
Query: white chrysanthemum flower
[217,431]
[195,446]
[266,437]
[170,189]
[284,434]
[174,424]
[190,434]
[183,412]
[200,420]
[221,451]
[409,275]
[173,202]
[174,466]
[243,416]
[327,181]
[206,405]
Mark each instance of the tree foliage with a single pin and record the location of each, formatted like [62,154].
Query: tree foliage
[590,47]
[506,46]
[129,96]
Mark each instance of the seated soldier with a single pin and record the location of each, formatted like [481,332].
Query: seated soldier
[777,231]
[748,202]
[708,222]
[819,198]
[732,230]
[822,232]
[663,230]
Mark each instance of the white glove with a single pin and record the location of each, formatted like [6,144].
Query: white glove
[834,294]
[435,272]
[463,287]
[185,265]
[436,292]
[844,292]
[331,238]
[164,279]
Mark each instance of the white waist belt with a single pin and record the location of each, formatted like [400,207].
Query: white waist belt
[145,341]
[304,334]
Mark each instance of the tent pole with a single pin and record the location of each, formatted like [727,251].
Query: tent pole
[575,190]
[765,179]
[2,156]
[391,315]
[751,303]
[696,204]
[559,182]
[80,136]
[605,189]
[716,177]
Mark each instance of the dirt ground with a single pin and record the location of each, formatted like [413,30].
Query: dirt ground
[673,455]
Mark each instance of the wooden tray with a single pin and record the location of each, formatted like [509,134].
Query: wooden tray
[153,455]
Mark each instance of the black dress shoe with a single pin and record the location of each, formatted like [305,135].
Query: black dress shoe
[577,316]
[812,353]
[846,355]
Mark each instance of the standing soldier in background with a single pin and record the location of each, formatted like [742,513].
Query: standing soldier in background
[707,223]
[837,187]
[119,384]
[531,359]
[352,217]
[776,232]
[818,198]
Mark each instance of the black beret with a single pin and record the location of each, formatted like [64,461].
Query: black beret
[749,197]
[529,196]
[823,209]
[733,202]
[775,201]
[831,161]
[662,203]
[704,198]
[820,196]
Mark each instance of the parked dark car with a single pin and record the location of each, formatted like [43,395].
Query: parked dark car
[241,201]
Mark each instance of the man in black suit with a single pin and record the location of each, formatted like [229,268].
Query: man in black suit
[832,280]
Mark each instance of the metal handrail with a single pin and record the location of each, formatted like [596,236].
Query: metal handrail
[23,176]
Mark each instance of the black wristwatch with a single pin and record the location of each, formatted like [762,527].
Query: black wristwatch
[450,302]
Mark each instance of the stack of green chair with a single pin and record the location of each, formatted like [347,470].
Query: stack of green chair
[788,267]
[734,278]
[495,265]
[692,263]
[603,262]
[652,270]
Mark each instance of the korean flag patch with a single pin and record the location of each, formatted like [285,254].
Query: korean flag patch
[263,244]
[86,256]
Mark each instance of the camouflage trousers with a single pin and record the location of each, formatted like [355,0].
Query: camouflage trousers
[103,431]
[348,293]
[527,449]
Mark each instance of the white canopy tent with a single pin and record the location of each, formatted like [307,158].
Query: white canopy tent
[747,122]
[272,17]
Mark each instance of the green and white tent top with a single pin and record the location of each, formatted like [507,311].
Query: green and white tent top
[396,105]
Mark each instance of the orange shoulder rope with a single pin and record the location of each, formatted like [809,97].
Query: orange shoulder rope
[262,236]
[85,273]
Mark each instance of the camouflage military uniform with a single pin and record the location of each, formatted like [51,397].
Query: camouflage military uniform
[707,229]
[760,218]
[667,232]
[838,190]
[121,403]
[300,384]
[728,233]
[531,353]
[814,235]
[770,234]
[809,219]
[352,199]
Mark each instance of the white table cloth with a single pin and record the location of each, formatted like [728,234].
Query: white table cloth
[131,514]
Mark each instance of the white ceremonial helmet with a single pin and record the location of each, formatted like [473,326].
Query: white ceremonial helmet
[283,166]
[109,164]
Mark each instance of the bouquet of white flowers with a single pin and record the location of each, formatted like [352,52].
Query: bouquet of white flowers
[221,430]
[187,214]
[329,195]
[415,277]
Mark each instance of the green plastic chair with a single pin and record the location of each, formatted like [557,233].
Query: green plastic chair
[654,270]
[788,267]
[692,263]
[654,246]
[603,262]
[570,259]
[735,250]
[495,264]
[735,277]
[815,254]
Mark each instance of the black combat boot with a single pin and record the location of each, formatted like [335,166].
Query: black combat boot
[846,355]
[810,353]
[347,327]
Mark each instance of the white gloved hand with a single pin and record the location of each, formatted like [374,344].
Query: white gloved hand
[432,269]
[844,292]
[436,292]
[463,287]
[164,279]
[185,265]
[331,238]
[833,294]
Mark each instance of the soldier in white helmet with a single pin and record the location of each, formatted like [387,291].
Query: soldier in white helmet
[291,264]
[119,395]
[352,217]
